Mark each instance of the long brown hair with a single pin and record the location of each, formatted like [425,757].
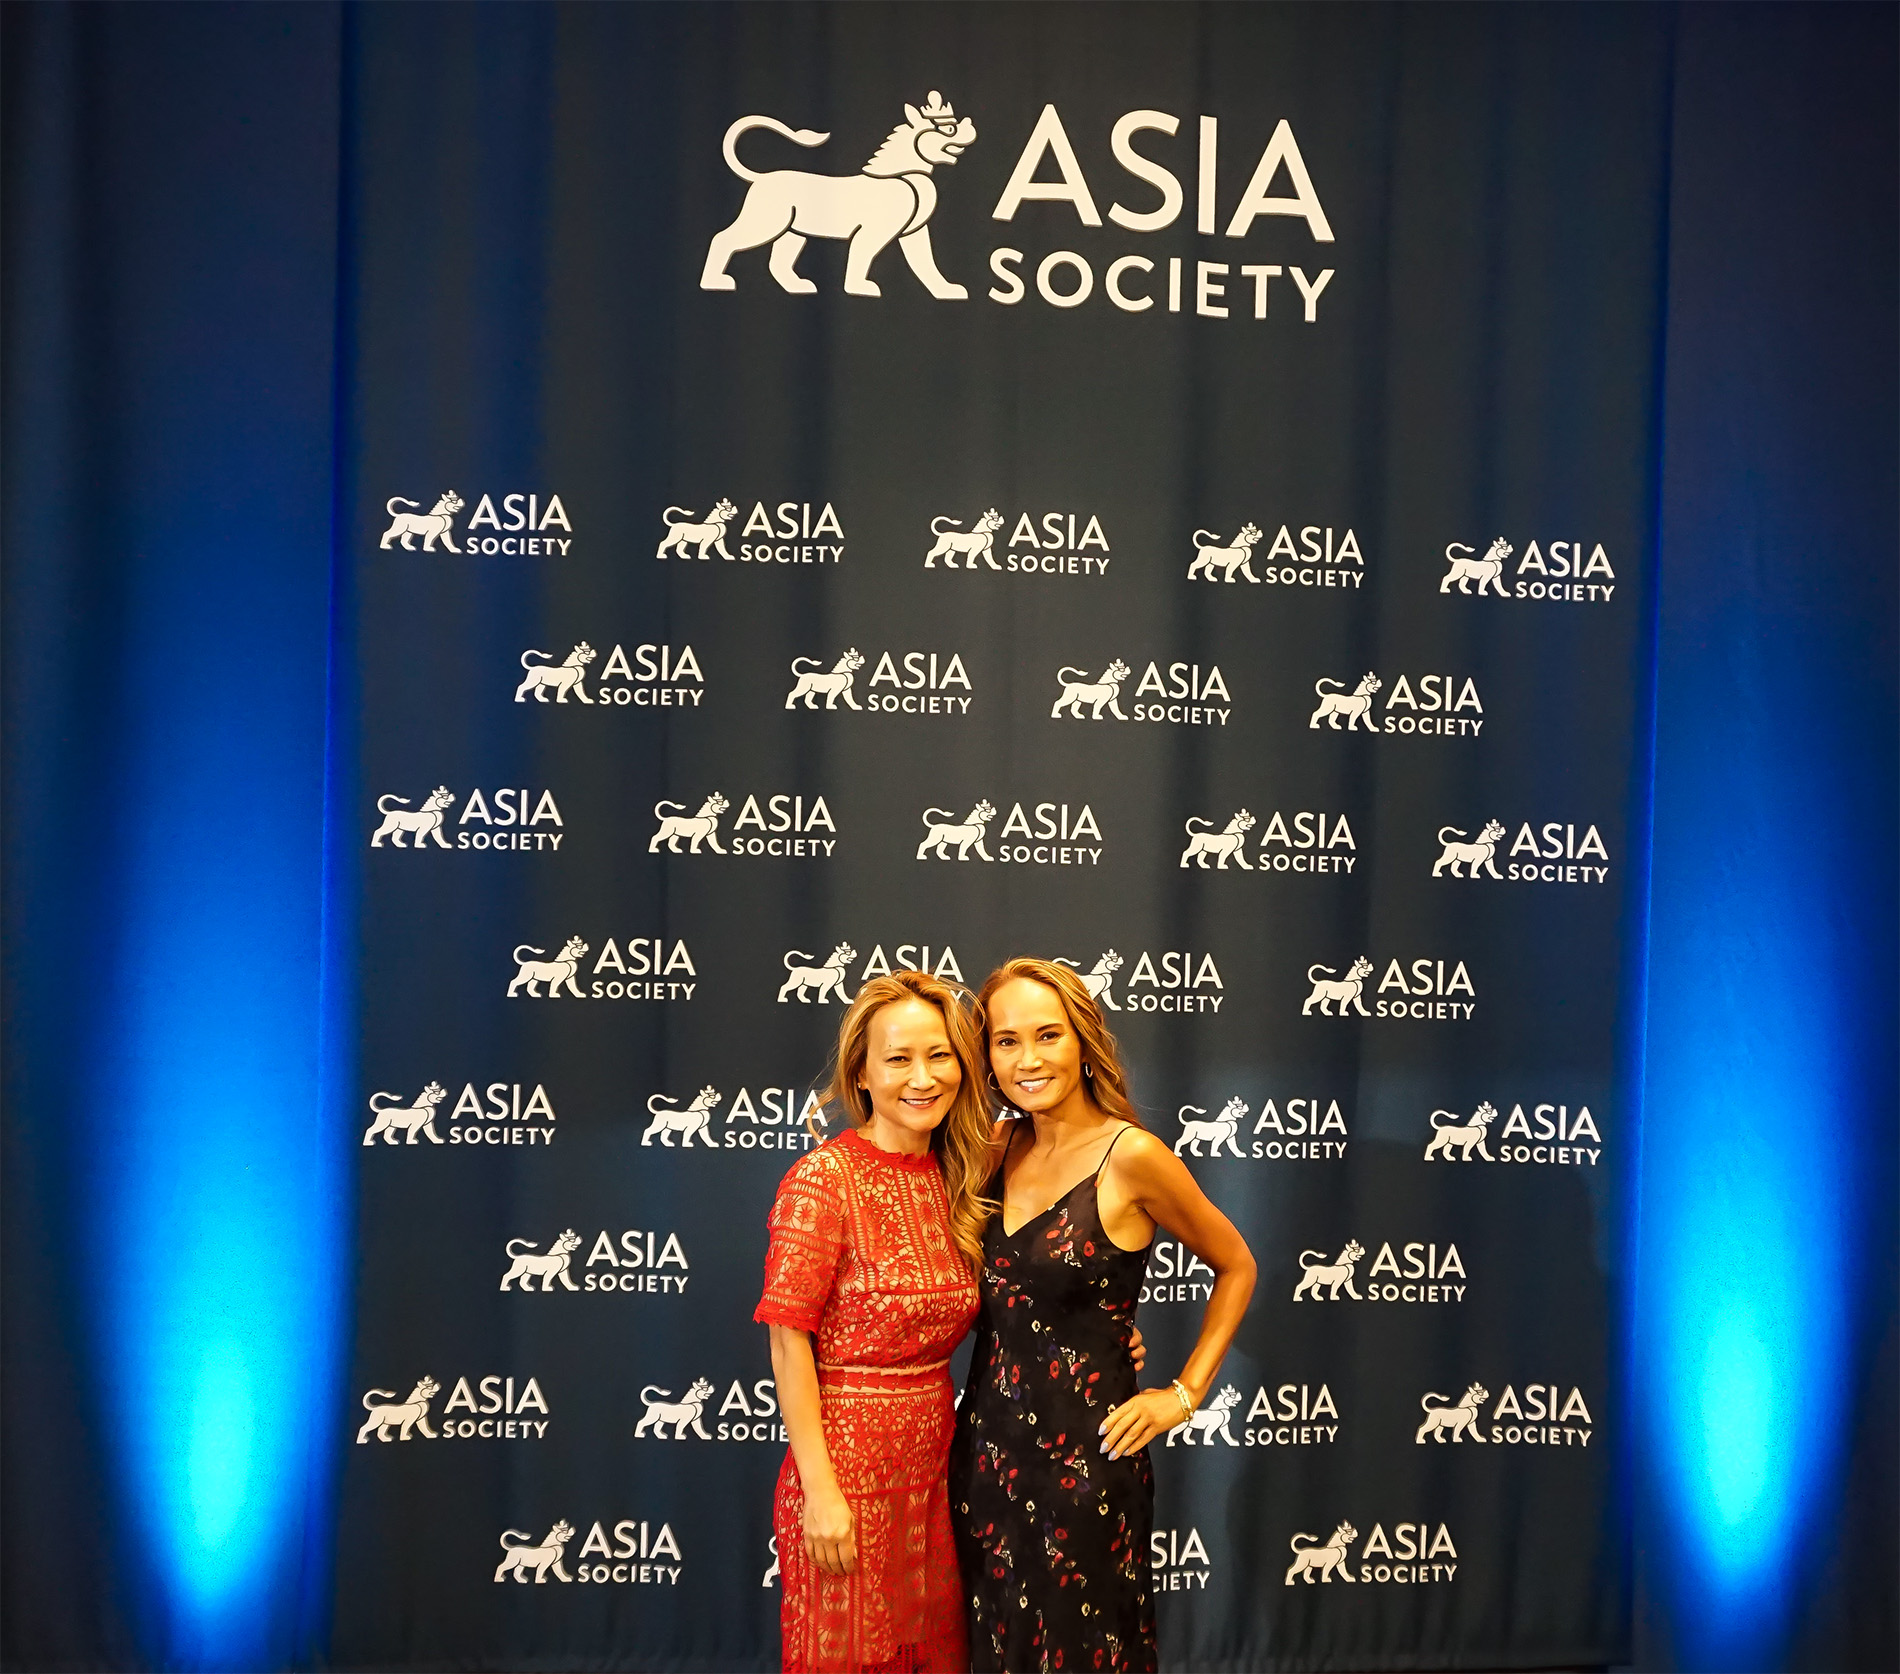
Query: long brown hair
[1107,1082]
[961,1141]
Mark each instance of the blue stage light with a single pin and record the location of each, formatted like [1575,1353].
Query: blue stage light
[1741,1327]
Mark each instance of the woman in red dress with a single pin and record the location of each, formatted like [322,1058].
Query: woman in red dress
[869,1285]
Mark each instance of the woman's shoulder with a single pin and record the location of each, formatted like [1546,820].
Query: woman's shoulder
[825,1169]
[1134,1147]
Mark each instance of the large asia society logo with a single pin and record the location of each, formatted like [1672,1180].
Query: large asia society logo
[944,831]
[920,687]
[1053,543]
[521,526]
[779,826]
[1297,1136]
[1426,990]
[635,1557]
[1323,557]
[1550,1134]
[1185,696]
[893,197]
[651,969]
[1413,1555]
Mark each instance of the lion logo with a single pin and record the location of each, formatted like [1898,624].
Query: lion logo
[1330,991]
[823,981]
[547,1268]
[1329,1559]
[1097,694]
[1322,1274]
[696,1118]
[523,1556]
[682,1414]
[1225,845]
[1485,571]
[953,544]
[397,1118]
[432,526]
[942,828]
[566,678]
[1466,1136]
[702,827]
[419,826]
[892,197]
[1211,556]
[811,685]
[556,973]
[1211,1421]
[1461,1420]
[1099,980]
[681,532]
[1221,1131]
[386,1411]
[1357,708]
[1471,856]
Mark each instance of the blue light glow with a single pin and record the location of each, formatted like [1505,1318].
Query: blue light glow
[1741,1322]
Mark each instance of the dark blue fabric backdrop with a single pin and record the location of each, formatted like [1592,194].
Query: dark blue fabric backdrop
[173,230]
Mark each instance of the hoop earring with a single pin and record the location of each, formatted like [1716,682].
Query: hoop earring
[995,1086]
[1089,1070]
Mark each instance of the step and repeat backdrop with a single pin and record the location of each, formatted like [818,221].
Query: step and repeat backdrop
[836,489]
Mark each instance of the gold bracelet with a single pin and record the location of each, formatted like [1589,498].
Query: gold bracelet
[1181,1395]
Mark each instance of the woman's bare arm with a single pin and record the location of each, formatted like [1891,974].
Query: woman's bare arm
[831,1536]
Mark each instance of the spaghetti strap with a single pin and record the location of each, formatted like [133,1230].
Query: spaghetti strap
[1111,1149]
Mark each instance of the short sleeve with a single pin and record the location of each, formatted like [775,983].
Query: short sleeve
[806,1244]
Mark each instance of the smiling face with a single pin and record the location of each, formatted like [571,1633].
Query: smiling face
[1035,1052]
[911,1075]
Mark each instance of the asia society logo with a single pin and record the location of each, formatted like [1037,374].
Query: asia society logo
[1424,1277]
[651,968]
[1545,1417]
[1174,980]
[1434,706]
[808,978]
[1070,828]
[657,677]
[647,1263]
[1322,558]
[1169,1276]
[637,1556]
[1297,1136]
[1559,572]
[776,826]
[780,1119]
[1307,841]
[1294,1416]
[922,687]
[742,1415]
[1555,854]
[1549,1134]
[1424,991]
[503,817]
[500,1415]
[394,1122]
[788,533]
[521,526]
[1178,1560]
[1413,1555]
[1050,543]
[892,198]
[1185,697]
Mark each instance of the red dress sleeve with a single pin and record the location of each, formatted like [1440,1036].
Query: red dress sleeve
[806,1247]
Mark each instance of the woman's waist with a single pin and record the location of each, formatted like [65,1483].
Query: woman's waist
[910,1378]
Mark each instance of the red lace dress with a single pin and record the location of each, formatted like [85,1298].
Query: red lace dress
[861,1256]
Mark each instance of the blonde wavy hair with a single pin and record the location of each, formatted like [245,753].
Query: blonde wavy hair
[1107,1083]
[961,1141]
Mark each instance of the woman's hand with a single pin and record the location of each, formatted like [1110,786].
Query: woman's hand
[1137,1349]
[831,1532]
[1136,1422]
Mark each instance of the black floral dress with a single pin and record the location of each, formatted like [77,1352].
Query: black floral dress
[1052,1536]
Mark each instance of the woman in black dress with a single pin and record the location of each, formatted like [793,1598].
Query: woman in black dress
[1051,1493]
